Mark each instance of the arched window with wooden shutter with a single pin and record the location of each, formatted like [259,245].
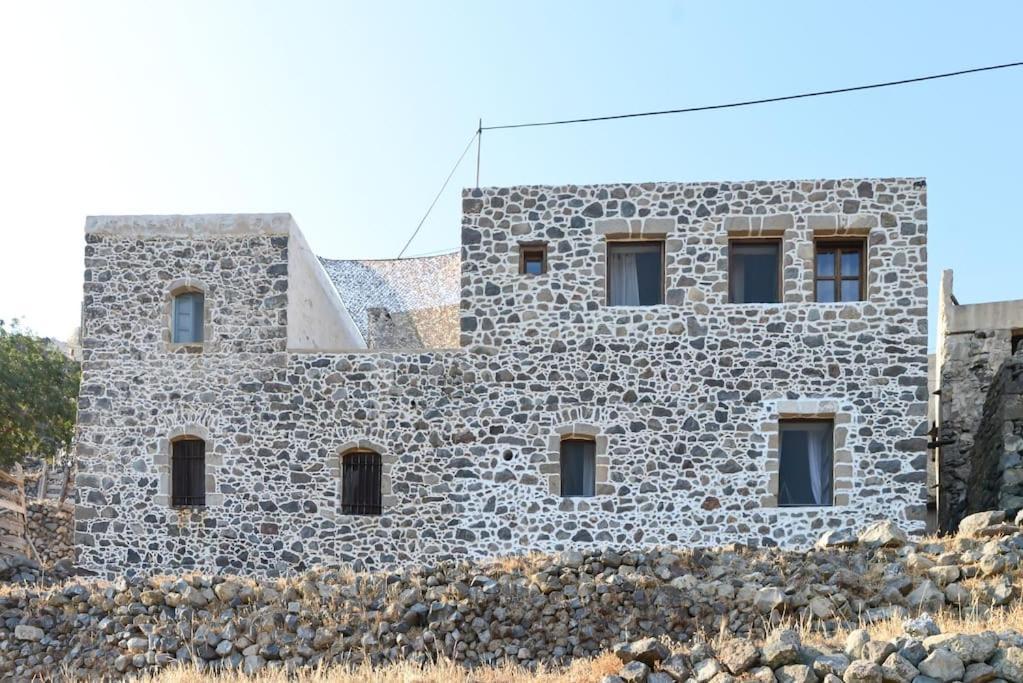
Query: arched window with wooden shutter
[361,479]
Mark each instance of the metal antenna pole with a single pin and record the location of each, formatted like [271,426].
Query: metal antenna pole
[479,143]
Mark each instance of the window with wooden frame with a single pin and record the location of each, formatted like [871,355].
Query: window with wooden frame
[532,259]
[361,479]
[635,273]
[754,271]
[839,269]
[578,467]
[188,473]
[806,470]
[187,317]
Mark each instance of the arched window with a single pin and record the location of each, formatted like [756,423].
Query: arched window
[187,317]
[578,466]
[188,472]
[361,472]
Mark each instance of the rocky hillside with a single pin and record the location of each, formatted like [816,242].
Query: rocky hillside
[543,609]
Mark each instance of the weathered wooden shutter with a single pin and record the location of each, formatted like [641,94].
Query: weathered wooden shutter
[361,478]
[188,473]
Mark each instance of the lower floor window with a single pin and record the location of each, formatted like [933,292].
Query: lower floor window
[188,473]
[806,471]
[361,479]
[578,467]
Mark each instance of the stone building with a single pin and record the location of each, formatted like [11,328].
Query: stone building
[980,416]
[613,365]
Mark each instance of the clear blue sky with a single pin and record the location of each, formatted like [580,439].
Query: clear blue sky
[349,115]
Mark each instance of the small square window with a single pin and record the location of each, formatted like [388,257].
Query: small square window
[533,259]
[806,471]
[635,273]
[754,271]
[838,271]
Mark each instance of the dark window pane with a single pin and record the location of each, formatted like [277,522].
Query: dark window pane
[533,265]
[826,291]
[361,479]
[825,264]
[806,471]
[850,290]
[850,263]
[634,274]
[753,276]
[578,468]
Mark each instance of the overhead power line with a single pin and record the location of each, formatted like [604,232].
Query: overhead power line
[439,192]
[747,103]
[478,135]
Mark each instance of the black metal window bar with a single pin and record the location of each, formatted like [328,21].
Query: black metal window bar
[361,474]
[188,473]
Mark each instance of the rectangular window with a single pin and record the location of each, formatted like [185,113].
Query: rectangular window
[578,467]
[361,479]
[188,473]
[806,472]
[1017,342]
[838,271]
[188,318]
[533,259]
[754,272]
[635,273]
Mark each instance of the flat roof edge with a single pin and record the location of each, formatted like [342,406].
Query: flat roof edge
[204,225]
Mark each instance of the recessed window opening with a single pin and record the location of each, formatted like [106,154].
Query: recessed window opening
[187,318]
[188,473]
[361,479]
[806,471]
[1017,341]
[533,259]
[578,467]
[754,271]
[635,274]
[839,269]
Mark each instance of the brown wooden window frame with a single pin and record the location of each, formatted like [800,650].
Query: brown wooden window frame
[533,251]
[840,246]
[779,288]
[796,421]
[188,473]
[592,443]
[608,245]
[365,495]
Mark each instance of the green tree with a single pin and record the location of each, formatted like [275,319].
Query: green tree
[38,396]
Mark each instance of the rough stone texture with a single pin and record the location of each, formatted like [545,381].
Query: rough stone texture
[420,294]
[980,400]
[50,528]
[684,397]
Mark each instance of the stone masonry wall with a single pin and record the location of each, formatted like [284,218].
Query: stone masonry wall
[969,366]
[996,476]
[683,398]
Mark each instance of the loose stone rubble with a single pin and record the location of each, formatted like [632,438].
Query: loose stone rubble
[548,609]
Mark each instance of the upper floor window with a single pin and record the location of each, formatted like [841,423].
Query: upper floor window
[578,467]
[533,259]
[1017,342]
[806,471]
[188,473]
[838,272]
[187,318]
[754,271]
[361,479]
[635,273]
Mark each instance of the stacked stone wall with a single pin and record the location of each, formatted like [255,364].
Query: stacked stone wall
[996,474]
[685,397]
[50,529]
[969,367]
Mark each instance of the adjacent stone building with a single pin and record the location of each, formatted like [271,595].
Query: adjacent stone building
[980,416]
[683,364]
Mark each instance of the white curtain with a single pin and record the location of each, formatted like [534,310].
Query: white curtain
[624,277]
[818,452]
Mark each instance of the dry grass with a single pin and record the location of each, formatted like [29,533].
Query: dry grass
[580,671]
